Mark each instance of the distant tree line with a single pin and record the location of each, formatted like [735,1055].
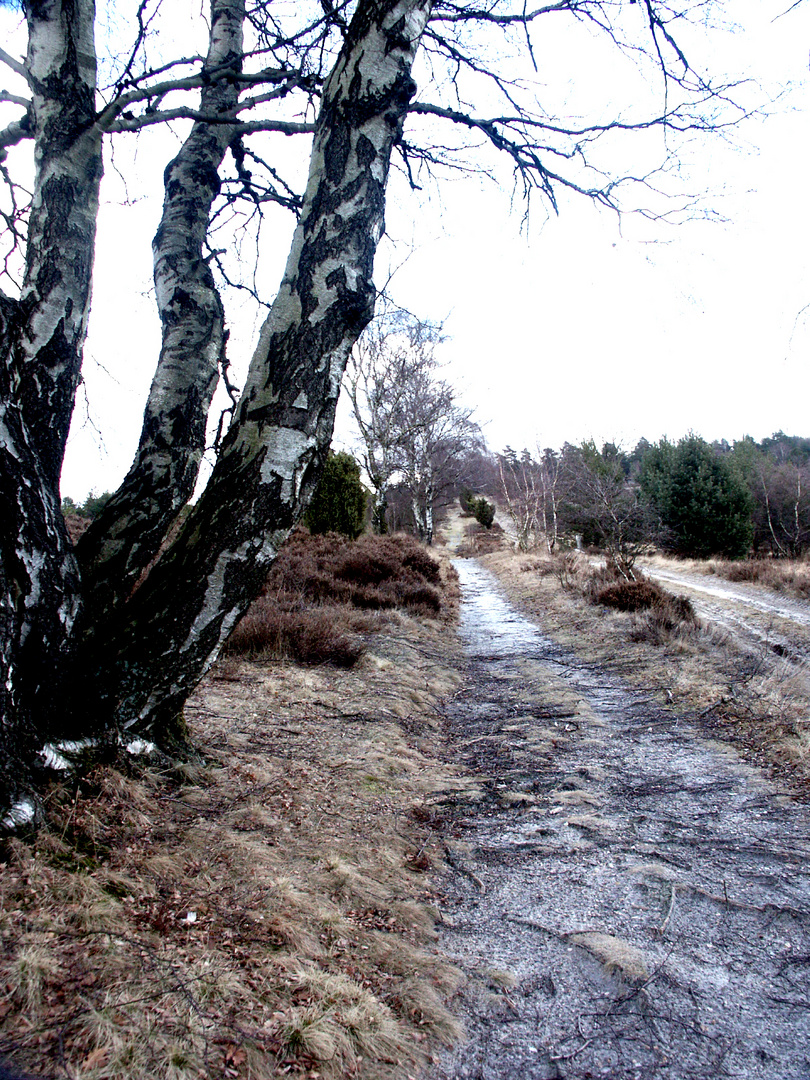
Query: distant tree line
[690,497]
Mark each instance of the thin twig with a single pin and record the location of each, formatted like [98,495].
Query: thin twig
[665,923]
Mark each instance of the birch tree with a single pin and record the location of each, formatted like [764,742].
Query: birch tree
[384,365]
[412,430]
[605,505]
[436,434]
[532,490]
[109,639]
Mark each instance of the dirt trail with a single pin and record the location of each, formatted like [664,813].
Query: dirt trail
[633,901]
[797,611]
[753,616]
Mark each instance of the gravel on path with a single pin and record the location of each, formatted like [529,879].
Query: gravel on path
[629,899]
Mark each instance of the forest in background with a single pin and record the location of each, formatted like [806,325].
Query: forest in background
[690,498]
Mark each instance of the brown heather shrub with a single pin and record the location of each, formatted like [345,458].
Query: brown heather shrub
[659,615]
[311,636]
[417,559]
[481,541]
[309,608]
[630,595]
[372,572]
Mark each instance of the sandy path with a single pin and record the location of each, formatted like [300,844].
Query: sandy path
[633,901]
[762,600]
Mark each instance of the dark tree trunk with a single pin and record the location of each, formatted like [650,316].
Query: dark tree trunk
[120,644]
[42,339]
[125,538]
[139,666]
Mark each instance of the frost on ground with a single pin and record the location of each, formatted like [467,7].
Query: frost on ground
[632,900]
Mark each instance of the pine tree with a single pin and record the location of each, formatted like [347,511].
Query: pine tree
[339,501]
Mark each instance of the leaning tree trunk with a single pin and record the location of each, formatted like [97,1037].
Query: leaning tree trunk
[140,668]
[42,337]
[127,535]
[379,509]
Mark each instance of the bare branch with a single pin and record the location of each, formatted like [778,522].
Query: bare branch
[157,91]
[16,132]
[452,13]
[787,11]
[16,65]
[15,99]
[285,127]
[143,26]
[183,112]
[134,81]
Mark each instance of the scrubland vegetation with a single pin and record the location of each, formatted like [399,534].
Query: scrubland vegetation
[263,906]
[322,592]
[791,576]
[691,498]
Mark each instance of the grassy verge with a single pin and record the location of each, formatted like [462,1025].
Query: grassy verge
[791,577]
[265,908]
[653,639]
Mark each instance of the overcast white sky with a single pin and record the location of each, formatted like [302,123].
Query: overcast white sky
[572,327]
[590,327]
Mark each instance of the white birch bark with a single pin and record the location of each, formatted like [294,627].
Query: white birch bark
[40,361]
[176,622]
[127,535]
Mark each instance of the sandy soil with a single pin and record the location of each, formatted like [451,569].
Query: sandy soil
[628,898]
[752,614]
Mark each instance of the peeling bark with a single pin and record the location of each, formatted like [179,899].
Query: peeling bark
[174,625]
[55,298]
[40,361]
[125,538]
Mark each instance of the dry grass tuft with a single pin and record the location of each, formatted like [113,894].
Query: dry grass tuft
[259,912]
[618,957]
[791,576]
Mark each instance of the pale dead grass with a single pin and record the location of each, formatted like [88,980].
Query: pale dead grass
[617,956]
[760,704]
[262,910]
[791,577]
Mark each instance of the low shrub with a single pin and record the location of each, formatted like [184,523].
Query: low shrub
[339,501]
[419,560]
[361,566]
[483,512]
[310,608]
[629,595]
[481,541]
[313,636]
[663,612]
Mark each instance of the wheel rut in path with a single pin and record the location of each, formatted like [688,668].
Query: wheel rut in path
[632,900]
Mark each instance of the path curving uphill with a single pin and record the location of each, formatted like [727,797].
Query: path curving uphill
[630,900]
